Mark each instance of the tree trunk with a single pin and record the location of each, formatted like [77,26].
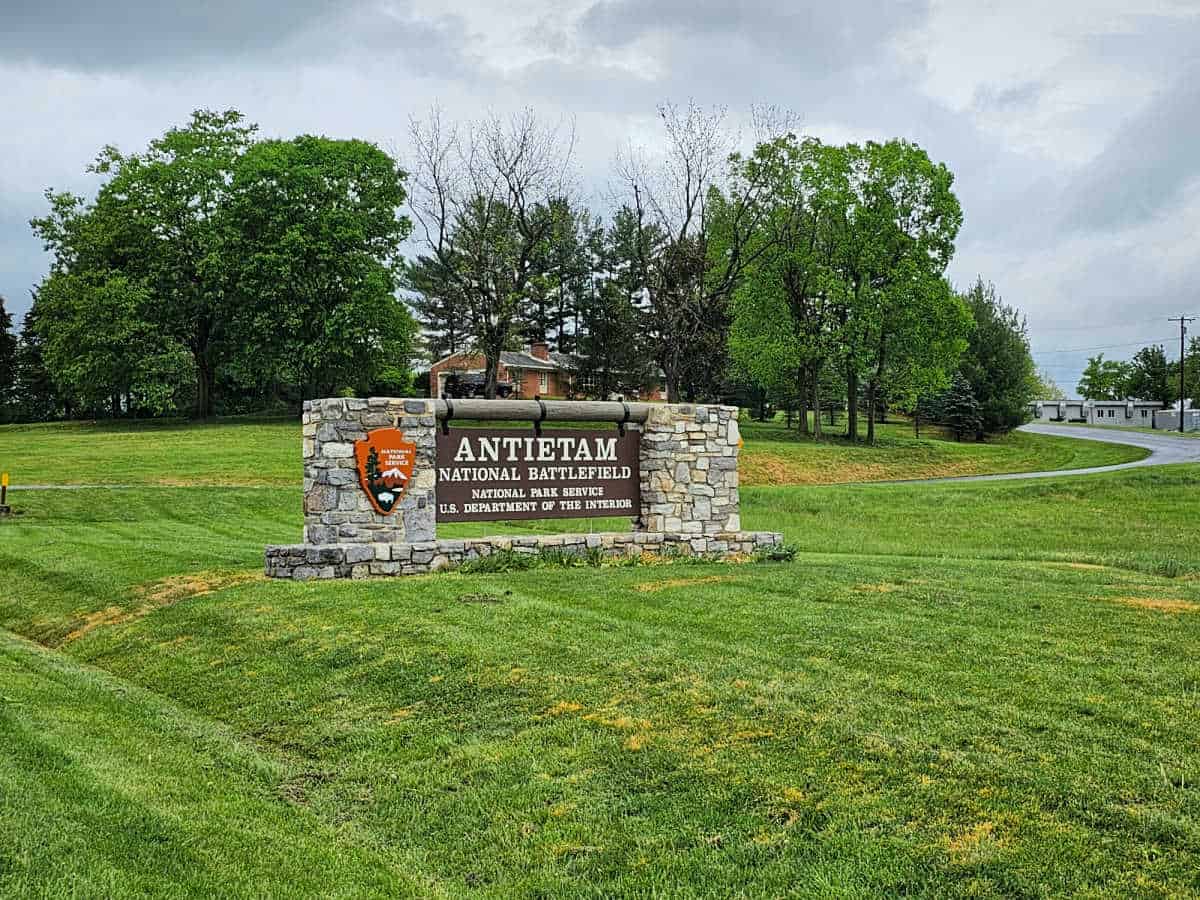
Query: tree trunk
[802,393]
[852,404]
[491,375]
[205,379]
[871,411]
[814,384]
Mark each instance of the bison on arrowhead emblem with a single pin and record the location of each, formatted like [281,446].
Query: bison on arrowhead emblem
[385,466]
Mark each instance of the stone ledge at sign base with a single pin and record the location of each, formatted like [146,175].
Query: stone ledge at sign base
[305,561]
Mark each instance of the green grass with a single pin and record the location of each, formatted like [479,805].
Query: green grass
[246,452]
[236,451]
[774,455]
[965,689]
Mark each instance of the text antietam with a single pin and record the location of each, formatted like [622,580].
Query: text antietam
[558,449]
[510,473]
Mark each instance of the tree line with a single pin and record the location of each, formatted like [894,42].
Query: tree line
[220,272]
[216,271]
[1149,375]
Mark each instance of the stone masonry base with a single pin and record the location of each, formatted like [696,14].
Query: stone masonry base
[304,561]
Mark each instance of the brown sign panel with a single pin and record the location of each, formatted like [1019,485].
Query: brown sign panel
[512,473]
[385,466]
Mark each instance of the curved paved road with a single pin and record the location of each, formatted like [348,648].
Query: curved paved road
[1164,448]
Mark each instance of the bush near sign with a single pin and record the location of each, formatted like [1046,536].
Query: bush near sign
[512,473]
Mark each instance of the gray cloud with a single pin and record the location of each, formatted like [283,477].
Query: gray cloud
[1073,154]
[811,37]
[1141,172]
[113,36]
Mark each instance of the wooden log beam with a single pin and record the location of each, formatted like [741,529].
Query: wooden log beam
[529,410]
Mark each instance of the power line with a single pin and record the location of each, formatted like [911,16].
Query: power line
[1106,346]
[1094,327]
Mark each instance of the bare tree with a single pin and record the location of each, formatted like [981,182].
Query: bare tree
[481,195]
[687,289]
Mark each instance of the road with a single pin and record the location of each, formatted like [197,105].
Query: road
[1164,449]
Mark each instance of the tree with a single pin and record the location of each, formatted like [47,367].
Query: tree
[1149,376]
[959,409]
[439,306]
[564,263]
[99,349]
[689,278]
[157,220]
[1045,388]
[788,308]
[481,195]
[1105,379]
[37,398]
[8,361]
[612,356]
[312,229]
[997,362]
[846,269]
[902,239]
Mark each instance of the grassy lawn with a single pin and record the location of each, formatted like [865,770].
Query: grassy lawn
[972,689]
[773,455]
[238,452]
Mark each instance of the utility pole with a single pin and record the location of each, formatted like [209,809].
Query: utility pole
[1182,320]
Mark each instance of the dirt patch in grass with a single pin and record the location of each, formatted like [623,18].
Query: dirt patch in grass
[653,587]
[1161,604]
[974,844]
[159,594]
[884,587]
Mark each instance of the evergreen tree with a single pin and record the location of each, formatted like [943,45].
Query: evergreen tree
[439,306]
[38,398]
[959,409]
[8,362]
[611,355]
[997,363]
[374,474]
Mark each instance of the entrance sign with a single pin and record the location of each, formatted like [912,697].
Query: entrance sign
[385,467]
[514,473]
[382,473]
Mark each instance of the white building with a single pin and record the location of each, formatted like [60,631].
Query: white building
[1119,413]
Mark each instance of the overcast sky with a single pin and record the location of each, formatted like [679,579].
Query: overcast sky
[1073,128]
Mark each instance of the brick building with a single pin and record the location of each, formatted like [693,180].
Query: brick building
[533,372]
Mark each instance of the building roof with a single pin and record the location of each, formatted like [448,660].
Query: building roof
[1098,402]
[519,359]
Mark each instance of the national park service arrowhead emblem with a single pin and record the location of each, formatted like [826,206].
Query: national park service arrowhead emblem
[385,466]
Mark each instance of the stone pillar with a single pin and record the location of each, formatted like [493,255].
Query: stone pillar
[336,509]
[689,477]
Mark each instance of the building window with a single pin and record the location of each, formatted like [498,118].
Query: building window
[1143,414]
[543,382]
[1112,413]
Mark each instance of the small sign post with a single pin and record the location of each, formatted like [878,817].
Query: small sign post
[5,509]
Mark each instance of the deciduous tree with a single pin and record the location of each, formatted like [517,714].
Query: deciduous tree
[1105,379]
[312,232]
[480,196]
